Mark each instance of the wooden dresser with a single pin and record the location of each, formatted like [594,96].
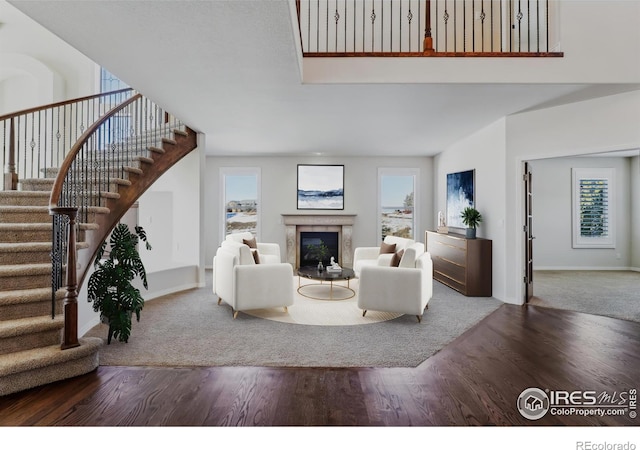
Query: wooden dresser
[460,263]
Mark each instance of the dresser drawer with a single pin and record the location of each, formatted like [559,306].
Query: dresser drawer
[451,253]
[446,240]
[447,268]
[460,287]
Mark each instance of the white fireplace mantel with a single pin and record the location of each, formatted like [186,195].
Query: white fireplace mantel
[342,223]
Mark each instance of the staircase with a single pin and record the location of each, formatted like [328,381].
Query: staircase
[30,332]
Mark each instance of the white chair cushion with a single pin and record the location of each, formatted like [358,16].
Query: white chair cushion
[242,251]
[411,254]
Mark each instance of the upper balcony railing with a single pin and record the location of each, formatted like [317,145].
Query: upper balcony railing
[428,28]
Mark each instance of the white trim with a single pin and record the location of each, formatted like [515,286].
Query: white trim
[172,290]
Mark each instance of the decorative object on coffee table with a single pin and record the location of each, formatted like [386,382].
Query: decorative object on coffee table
[334,266]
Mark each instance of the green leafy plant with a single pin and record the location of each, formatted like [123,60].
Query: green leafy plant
[110,288]
[471,217]
[319,251]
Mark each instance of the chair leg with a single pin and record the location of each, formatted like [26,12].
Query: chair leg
[364,312]
[419,319]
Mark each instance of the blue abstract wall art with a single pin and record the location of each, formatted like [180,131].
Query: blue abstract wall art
[460,194]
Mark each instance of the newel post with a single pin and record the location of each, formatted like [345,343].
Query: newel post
[70,333]
[10,175]
[427,46]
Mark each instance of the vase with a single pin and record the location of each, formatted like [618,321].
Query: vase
[320,266]
[471,233]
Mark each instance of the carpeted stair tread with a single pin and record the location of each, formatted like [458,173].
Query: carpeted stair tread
[19,247]
[19,296]
[36,184]
[24,269]
[25,226]
[45,226]
[23,208]
[28,325]
[32,246]
[46,356]
[26,198]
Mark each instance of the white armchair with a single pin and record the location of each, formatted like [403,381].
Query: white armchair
[371,256]
[405,289]
[245,285]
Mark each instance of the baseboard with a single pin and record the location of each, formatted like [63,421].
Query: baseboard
[172,290]
[583,268]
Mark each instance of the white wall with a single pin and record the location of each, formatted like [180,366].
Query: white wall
[599,125]
[279,184]
[31,55]
[483,151]
[170,213]
[552,216]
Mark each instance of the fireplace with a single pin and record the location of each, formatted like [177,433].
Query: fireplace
[339,224]
[318,246]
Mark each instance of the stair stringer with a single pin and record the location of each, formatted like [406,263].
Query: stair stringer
[176,149]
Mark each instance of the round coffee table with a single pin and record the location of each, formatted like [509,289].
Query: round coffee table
[313,273]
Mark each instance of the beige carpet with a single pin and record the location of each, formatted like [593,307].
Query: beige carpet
[190,329]
[341,310]
[610,293]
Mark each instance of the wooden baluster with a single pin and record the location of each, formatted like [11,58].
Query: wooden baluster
[428,40]
[10,175]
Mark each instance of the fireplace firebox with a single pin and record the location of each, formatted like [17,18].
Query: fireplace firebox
[318,246]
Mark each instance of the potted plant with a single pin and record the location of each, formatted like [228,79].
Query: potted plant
[471,217]
[320,252]
[110,285]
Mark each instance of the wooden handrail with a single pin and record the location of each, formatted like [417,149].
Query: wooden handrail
[63,103]
[71,156]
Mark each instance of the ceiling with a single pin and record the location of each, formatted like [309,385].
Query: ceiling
[231,70]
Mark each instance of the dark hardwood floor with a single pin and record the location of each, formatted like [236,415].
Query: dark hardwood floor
[476,380]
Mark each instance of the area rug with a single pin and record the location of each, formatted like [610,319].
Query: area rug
[191,329]
[340,310]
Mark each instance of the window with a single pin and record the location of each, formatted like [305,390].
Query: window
[593,208]
[109,82]
[398,202]
[240,199]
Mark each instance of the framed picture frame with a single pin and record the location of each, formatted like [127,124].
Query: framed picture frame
[320,186]
[461,193]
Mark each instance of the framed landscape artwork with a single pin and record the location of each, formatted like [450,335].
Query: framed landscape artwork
[320,186]
[460,194]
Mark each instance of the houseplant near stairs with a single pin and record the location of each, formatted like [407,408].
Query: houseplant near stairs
[110,287]
[471,217]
